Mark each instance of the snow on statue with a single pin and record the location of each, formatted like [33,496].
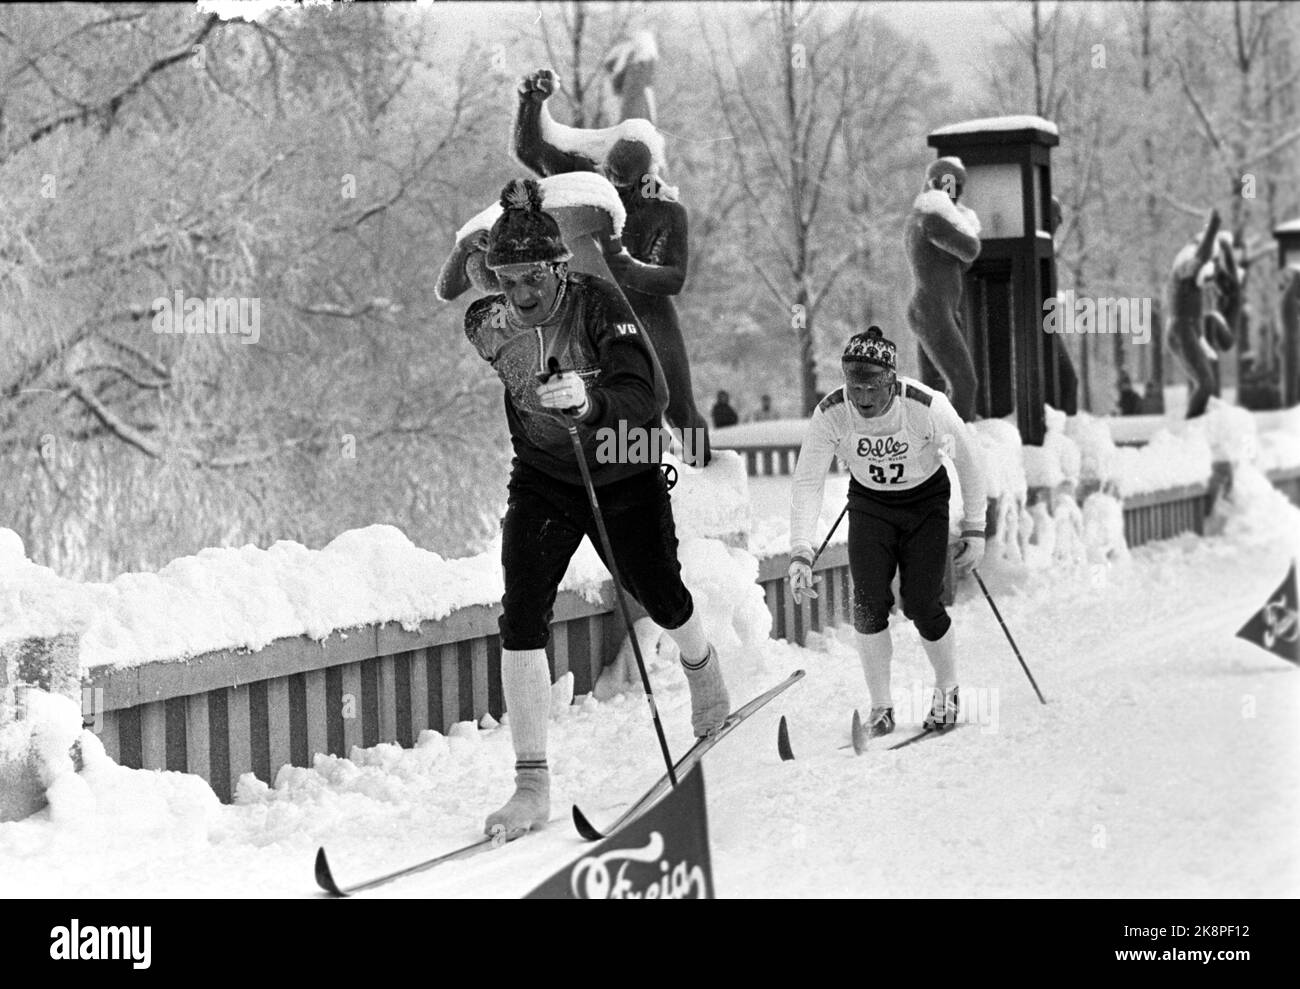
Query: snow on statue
[890,431]
[544,312]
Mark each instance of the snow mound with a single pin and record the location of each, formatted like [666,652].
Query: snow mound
[722,580]
[1004,457]
[1167,461]
[1098,460]
[1103,529]
[1254,512]
[714,501]
[1229,430]
[1058,460]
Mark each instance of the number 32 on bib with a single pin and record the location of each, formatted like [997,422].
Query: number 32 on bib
[890,473]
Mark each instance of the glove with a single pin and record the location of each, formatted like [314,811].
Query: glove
[565,391]
[970,551]
[539,85]
[801,578]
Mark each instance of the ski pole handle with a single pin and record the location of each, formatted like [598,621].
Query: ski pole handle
[552,369]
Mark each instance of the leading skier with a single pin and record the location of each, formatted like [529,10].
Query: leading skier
[609,380]
[889,430]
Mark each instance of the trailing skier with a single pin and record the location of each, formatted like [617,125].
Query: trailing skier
[889,430]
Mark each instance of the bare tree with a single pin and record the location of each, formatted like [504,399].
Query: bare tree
[575,37]
[792,107]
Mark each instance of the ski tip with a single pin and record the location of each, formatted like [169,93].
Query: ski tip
[584,826]
[325,878]
[859,736]
[783,741]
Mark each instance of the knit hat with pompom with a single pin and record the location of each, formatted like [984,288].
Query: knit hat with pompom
[870,348]
[524,234]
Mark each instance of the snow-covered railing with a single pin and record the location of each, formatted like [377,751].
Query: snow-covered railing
[227,713]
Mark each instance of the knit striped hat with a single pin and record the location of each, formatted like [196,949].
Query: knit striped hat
[871,347]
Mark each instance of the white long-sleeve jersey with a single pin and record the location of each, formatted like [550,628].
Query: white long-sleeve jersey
[890,453]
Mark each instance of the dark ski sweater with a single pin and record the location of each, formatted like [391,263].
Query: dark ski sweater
[593,332]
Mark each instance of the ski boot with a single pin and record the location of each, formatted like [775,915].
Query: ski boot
[943,711]
[880,722]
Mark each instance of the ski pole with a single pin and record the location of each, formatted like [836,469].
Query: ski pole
[829,534]
[553,367]
[1007,632]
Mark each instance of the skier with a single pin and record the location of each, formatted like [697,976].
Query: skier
[544,311]
[652,267]
[889,430]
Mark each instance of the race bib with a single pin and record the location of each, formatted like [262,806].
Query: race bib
[884,459]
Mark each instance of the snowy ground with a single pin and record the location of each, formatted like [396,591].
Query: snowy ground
[1164,765]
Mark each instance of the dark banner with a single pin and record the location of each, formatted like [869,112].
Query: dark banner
[1273,627]
[663,855]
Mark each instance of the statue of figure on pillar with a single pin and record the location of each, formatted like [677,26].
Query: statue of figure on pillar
[1203,302]
[942,241]
[651,268]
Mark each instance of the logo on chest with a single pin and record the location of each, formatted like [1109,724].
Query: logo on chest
[881,447]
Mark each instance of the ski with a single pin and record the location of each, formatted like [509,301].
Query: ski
[860,739]
[325,876]
[922,735]
[687,762]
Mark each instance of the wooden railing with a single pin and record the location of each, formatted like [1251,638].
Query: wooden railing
[224,714]
[769,461]
[1165,514]
[228,713]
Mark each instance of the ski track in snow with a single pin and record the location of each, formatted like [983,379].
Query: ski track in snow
[1143,775]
